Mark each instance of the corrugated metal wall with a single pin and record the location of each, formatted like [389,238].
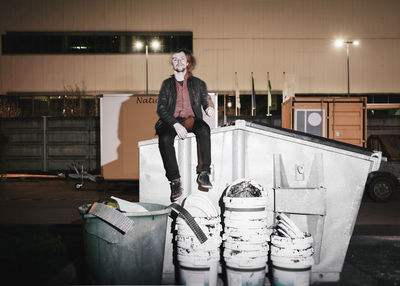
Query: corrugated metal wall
[49,144]
[295,36]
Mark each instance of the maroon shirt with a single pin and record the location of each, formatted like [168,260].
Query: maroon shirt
[183,107]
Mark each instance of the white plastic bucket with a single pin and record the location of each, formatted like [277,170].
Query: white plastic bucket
[291,252]
[292,262]
[248,223]
[191,242]
[243,246]
[247,239]
[296,243]
[209,228]
[283,276]
[234,214]
[210,234]
[245,276]
[199,262]
[246,204]
[245,254]
[201,220]
[195,271]
[199,205]
[199,254]
[292,259]
[247,233]
[250,271]
[245,262]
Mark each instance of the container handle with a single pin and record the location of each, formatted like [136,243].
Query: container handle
[190,221]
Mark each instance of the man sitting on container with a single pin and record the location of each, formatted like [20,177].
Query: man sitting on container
[180,100]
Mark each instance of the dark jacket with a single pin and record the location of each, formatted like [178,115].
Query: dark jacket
[167,99]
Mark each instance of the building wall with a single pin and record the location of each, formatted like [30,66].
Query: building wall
[244,36]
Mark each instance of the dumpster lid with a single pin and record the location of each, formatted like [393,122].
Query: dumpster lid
[310,138]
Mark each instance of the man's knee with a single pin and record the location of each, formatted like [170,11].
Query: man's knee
[165,140]
[203,129]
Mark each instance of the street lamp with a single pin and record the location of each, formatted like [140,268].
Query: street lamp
[155,45]
[339,43]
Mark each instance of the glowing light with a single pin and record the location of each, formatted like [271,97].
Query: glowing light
[138,45]
[339,43]
[155,45]
[79,47]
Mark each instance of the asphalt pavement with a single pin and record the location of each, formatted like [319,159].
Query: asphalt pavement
[41,233]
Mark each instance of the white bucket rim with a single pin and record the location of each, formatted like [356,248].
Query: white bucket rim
[245,254]
[247,202]
[181,236]
[288,269]
[292,262]
[200,262]
[189,232]
[248,246]
[247,262]
[260,230]
[207,230]
[242,269]
[292,252]
[245,231]
[246,224]
[279,240]
[197,260]
[198,253]
[200,205]
[212,245]
[201,220]
[245,215]
[246,240]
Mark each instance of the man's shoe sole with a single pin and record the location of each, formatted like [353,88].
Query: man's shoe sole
[205,186]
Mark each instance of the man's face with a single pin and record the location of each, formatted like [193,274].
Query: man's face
[179,62]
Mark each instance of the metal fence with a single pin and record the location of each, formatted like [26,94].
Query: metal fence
[49,144]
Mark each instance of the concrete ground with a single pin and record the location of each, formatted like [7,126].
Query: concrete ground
[41,233]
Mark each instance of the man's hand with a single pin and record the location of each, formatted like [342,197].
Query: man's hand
[180,130]
[210,111]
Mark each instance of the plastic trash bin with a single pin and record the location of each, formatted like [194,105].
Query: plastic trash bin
[132,258]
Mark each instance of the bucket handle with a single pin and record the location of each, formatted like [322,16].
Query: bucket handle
[190,221]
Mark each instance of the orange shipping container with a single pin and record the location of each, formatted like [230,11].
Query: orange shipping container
[340,118]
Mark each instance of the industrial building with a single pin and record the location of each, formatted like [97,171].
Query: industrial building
[58,57]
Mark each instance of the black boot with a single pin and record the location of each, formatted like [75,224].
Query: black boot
[203,180]
[176,189]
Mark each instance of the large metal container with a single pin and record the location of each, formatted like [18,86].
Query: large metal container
[318,181]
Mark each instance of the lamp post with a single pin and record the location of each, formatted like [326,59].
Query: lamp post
[147,69]
[155,45]
[348,43]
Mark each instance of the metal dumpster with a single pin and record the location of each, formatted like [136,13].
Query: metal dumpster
[320,182]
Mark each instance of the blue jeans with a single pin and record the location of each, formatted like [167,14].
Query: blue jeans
[166,138]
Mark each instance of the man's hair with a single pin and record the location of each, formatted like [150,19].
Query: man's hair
[190,58]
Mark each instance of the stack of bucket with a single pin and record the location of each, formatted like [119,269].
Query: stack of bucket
[246,233]
[199,262]
[291,254]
